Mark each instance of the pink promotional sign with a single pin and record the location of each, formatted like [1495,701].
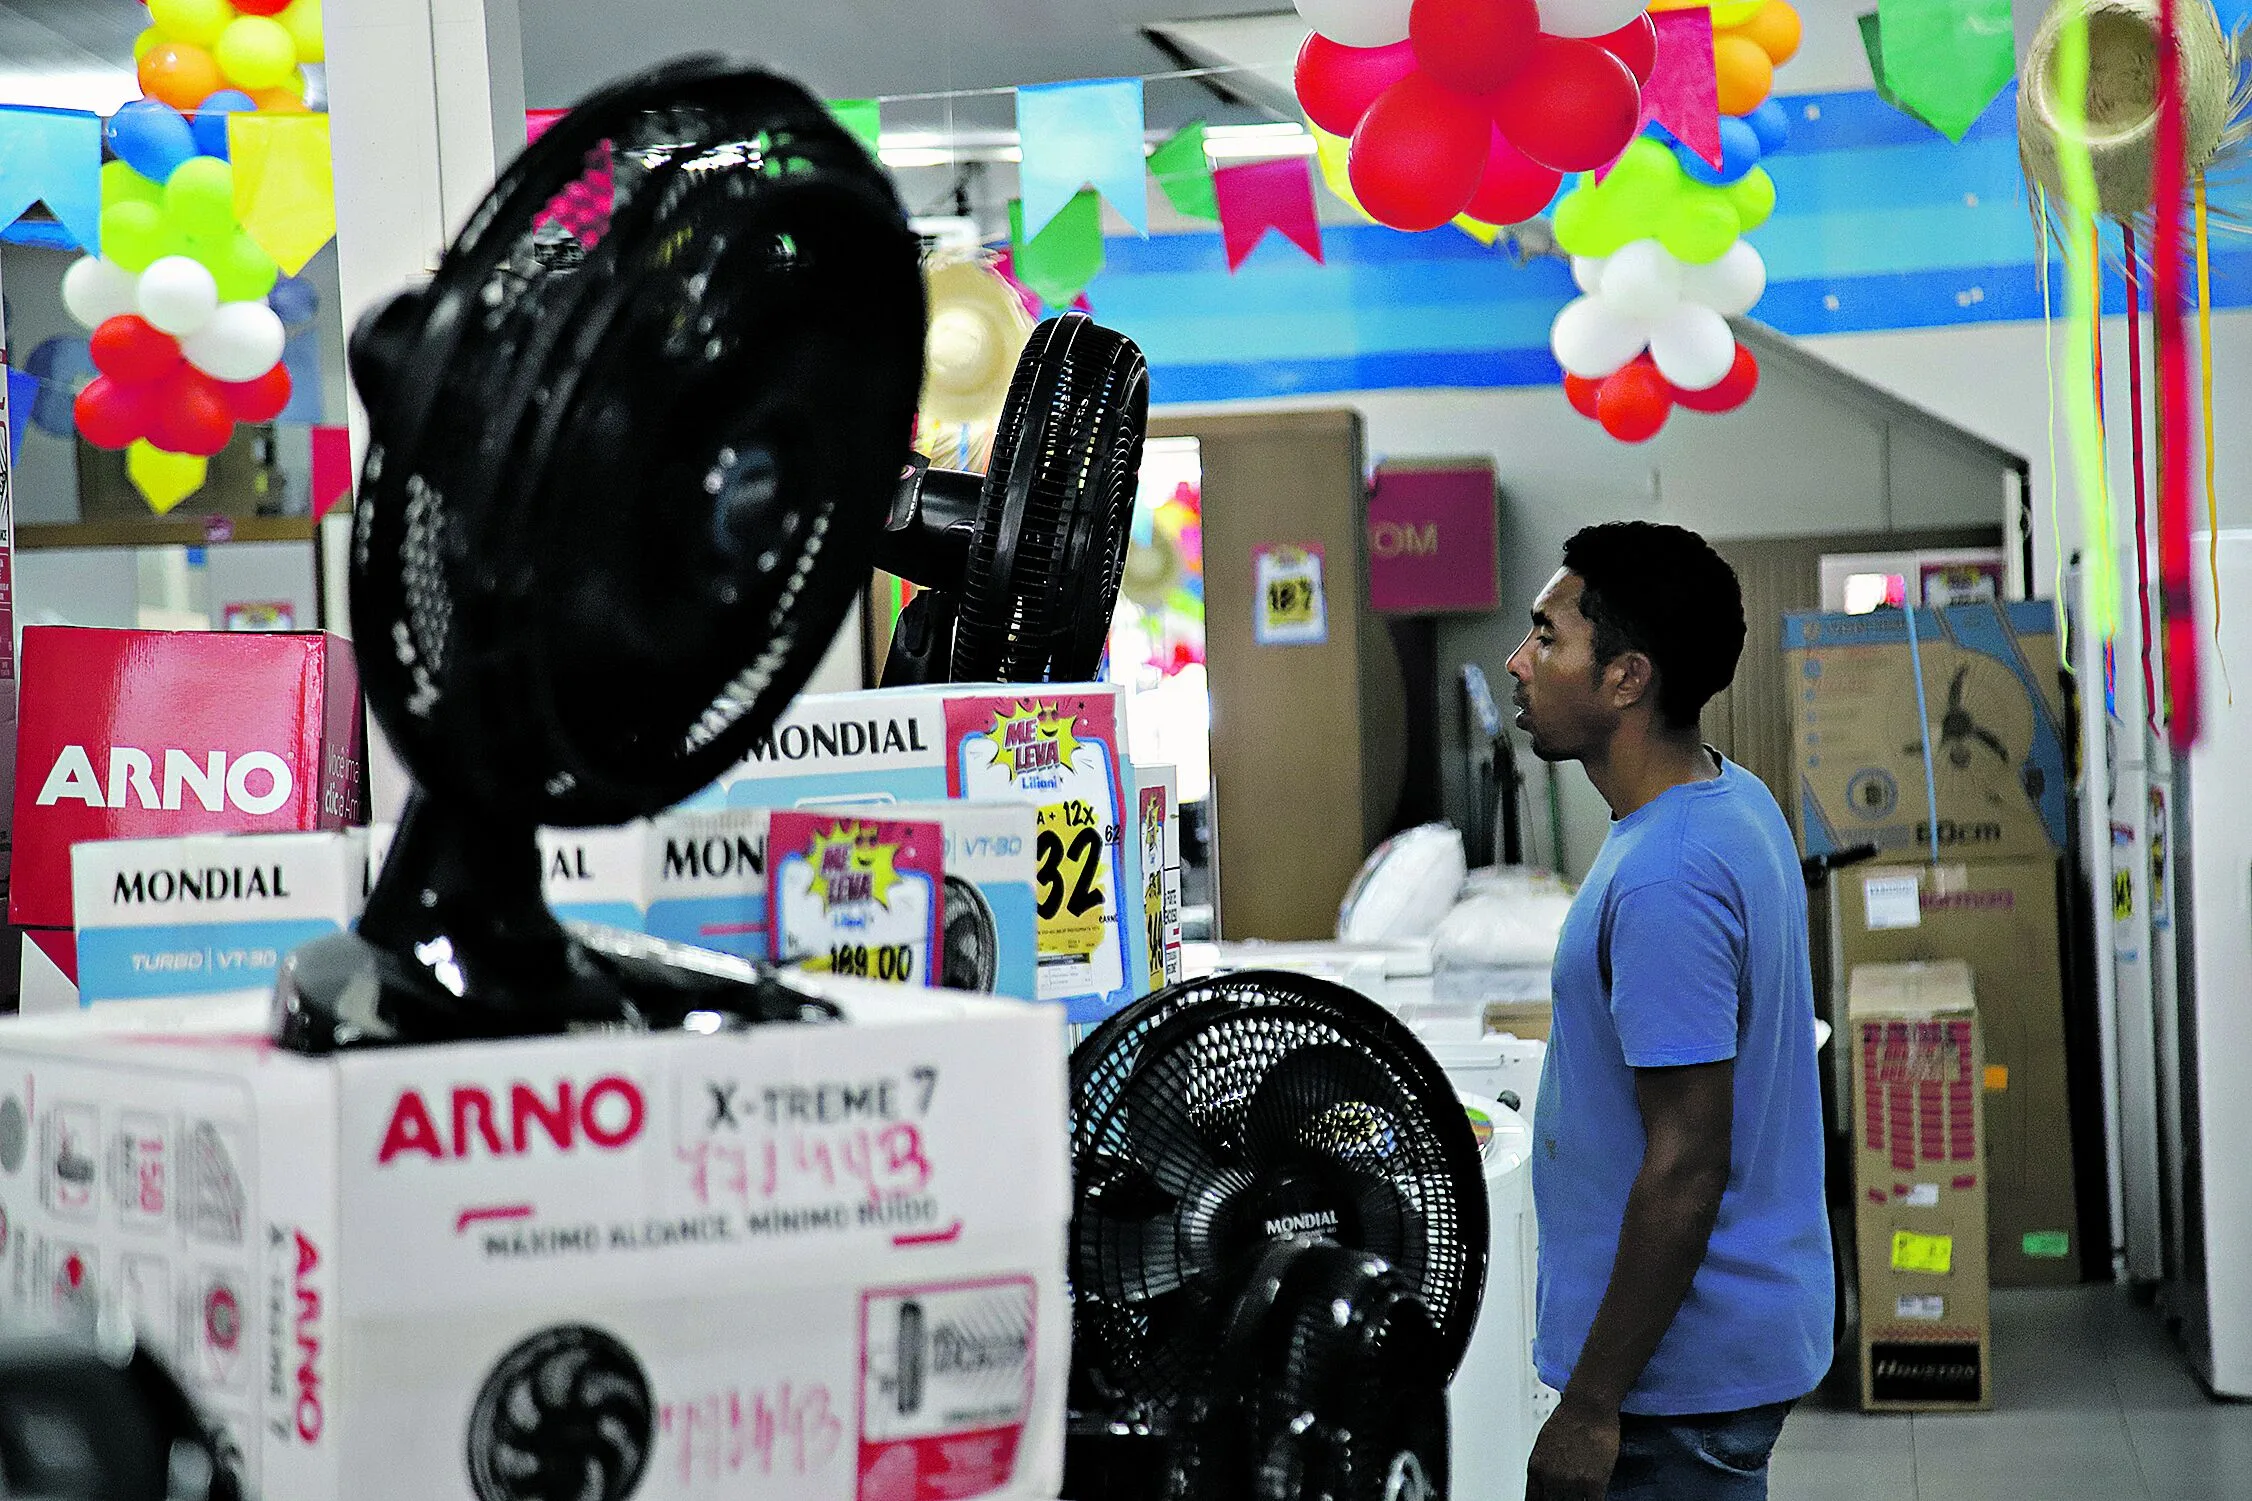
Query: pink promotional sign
[1433,546]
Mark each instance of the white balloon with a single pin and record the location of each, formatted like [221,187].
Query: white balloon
[241,342]
[1359,23]
[1642,281]
[1591,340]
[1587,272]
[1730,285]
[178,295]
[1583,17]
[96,291]
[1693,347]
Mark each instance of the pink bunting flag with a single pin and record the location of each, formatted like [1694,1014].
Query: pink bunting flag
[1258,196]
[1683,93]
[332,468]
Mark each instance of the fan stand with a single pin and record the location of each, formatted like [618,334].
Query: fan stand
[457,942]
[926,540]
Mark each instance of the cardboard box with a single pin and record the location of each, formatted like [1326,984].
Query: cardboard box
[1990,686]
[825,1262]
[160,734]
[990,927]
[1061,748]
[1919,1189]
[597,875]
[704,880]
[211,915]
[851,894]
[2001,920]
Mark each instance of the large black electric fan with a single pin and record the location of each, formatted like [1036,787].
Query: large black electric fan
[1277,1249]
[623,477]
[1019,567]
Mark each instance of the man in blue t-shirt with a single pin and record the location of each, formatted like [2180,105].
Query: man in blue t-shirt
[1686,1290]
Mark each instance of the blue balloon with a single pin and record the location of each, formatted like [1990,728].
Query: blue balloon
[210,123]
[151,138]
[294,300]
[1772,124]
[1739,153]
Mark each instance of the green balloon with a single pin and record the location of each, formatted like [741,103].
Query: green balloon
[245,273]
[121,184]
[135,236]
[200,199]
[1753,197]
[1576,221]
[1700,229]
[1646,163]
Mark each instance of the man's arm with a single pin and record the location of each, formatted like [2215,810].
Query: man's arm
[1688,1115]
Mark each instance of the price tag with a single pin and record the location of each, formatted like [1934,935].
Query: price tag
[1934,1254]
[1291,609]
[1069,880]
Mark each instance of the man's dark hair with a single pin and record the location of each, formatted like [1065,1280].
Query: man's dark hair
[1662,591]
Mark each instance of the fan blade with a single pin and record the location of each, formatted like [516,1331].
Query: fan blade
[1324,1100]
[1162,1136]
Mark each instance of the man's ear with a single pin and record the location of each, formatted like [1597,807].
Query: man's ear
[1631,679]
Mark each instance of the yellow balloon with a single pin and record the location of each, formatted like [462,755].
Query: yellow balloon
[164,478]
[1725,13]
[1332,153]
[302,20]
[255,52]
[147,42]
[197,21]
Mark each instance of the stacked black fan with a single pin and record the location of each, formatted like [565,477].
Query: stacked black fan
[1278,1247]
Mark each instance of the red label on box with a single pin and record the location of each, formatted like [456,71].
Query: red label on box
[1432,542]
[156,734]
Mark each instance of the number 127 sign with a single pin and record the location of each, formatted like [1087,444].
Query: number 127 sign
[1291,608]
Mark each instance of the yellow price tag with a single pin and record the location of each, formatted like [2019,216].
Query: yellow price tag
[1290,602]
[1068,879]
[1934,1254]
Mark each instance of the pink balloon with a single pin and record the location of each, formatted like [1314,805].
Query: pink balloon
[1337,84]
[1419,154]
[1515,187]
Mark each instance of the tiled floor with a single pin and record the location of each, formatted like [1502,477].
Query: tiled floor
[2093,1402]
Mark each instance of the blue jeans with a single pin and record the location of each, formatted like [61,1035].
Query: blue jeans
[1718,1456]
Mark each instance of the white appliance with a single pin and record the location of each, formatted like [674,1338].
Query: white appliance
[1497,1403]
[1390,974]
[2209,1276]
[1496,1066]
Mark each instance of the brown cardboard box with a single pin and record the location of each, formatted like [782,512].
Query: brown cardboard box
[1919,1189]
[1996,708]
[1529,1020]
[2000,918]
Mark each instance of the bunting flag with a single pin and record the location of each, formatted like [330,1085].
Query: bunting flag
[285,186]
[1258,196]
[332,469]
[864,118]
[1683,93]
[1184,173]
[23,395]
[1947,59]
[1872,46]
[1061,259]
[1077,135]
[53,156]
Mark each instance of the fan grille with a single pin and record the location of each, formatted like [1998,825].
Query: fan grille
[1217,1117]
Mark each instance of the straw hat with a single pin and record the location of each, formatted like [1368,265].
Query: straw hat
[2122,114]
[978,327]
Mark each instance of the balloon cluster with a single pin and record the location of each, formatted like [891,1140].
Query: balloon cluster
[195,48]
[184,339]
[1473,107]
[1658,252]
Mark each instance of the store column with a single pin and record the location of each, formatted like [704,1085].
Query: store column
[426,105]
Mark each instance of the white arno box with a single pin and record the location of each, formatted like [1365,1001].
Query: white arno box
[815,1262]
[209,915]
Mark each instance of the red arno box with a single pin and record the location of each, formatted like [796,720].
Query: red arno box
[156,734]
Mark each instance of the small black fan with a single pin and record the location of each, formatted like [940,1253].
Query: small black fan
[1277,1247]
[1020,566]
[620,492]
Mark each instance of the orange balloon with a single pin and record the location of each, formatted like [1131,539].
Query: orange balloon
[1775,28]
[278,101]
[1744,73]
[180,74]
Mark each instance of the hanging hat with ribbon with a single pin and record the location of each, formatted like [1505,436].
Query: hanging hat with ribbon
[978,328]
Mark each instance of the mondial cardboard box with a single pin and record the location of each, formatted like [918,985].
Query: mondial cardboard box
[814,1262]
[212,915]
[1060,748]
[1990,687]
[704,879]
[1919,1185]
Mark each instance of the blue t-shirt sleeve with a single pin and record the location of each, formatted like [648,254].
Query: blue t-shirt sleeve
[1677,957]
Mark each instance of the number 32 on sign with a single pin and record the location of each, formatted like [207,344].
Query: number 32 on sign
[1291,608]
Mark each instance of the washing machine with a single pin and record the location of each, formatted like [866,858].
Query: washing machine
[1498,1402]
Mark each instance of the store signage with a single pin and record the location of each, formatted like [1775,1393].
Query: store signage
[1432,541]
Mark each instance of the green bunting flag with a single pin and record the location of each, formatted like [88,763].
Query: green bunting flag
[1058,262]
[1184,173]
[1942,61]
[863,117]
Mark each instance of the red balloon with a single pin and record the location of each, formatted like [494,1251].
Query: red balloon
[1574,108]
[112,414]
[1734,390]
[1515,187]
[259,400]
[1634,403]
[1473,46]
[1337,84]
[1582,394]
[190,414]
[1419,154]
[1635,44]
[261,7]
[130,348]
